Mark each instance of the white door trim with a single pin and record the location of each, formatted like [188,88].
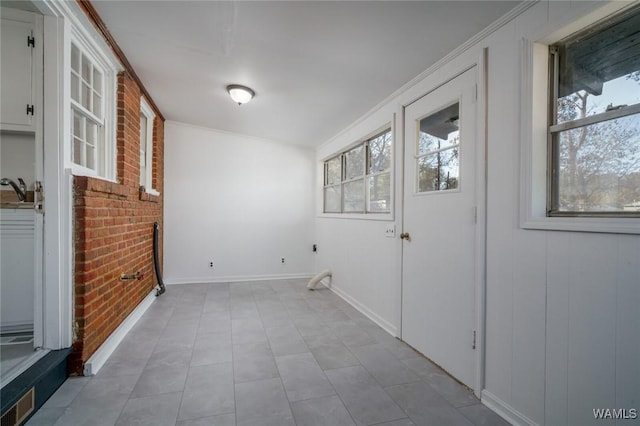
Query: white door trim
[58,261]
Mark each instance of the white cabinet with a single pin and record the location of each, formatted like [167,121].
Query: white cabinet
[17,255]
[19,57]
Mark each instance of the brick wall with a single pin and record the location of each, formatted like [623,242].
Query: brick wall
[113,233]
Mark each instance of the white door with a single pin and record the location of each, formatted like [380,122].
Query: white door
[439,248]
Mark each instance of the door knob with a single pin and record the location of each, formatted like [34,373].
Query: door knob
[405,236]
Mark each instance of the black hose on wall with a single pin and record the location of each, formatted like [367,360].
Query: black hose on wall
[156,262]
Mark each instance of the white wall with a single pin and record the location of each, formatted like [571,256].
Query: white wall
[563,308]
[242,202]
[363,261]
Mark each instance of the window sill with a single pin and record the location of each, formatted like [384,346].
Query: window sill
[150,195]
[584,224]
[357,216]
[77,170]
[97,184]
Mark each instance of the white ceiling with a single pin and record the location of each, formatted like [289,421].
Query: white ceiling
[315,66]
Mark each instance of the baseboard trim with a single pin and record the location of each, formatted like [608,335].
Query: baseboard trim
[236,278]
[386,325]
[505,411]
[100,356]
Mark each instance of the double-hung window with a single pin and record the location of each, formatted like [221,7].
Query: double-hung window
[146,146]
[594,132]
[359,180]
[92,147]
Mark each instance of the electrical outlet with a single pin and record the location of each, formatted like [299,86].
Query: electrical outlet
[211,264]
[283,260]
[390,230]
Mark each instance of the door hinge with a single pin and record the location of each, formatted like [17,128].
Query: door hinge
[473,346]
[475,93]
[31,41]
[30,109]
[475,215]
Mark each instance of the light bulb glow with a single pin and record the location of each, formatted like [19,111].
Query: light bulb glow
[240,94]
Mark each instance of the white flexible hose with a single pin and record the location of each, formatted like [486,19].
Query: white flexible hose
[319,277]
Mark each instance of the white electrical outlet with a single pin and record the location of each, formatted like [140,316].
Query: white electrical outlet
[390,230]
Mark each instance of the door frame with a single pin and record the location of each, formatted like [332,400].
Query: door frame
[481,201]
[57,291]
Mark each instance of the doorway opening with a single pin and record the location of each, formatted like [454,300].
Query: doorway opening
[21,170]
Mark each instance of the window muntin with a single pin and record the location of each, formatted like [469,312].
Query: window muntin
[88,120]
[594,133]
[359,180]
[438,151]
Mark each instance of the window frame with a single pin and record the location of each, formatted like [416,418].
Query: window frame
[106,156]
[365,177]
[555,128]
[534,119]
[146,181]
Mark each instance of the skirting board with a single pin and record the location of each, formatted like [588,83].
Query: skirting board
[386,325]
[97,360]
[505,411]
[236,278]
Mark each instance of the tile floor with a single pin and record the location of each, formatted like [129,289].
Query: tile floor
[266,353]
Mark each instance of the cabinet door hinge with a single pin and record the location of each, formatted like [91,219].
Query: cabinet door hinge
[30,109]
[31,41]
[473,345]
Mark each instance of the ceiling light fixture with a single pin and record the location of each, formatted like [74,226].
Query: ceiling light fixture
[240,94]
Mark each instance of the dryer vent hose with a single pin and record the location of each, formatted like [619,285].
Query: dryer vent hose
[319,277]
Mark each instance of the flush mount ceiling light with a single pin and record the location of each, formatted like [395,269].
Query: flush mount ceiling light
[240,94]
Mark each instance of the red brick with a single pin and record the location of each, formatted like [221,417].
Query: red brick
[113,232]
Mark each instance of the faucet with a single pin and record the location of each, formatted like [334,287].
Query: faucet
[21,189]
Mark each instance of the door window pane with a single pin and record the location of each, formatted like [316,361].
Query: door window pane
[439,130]
[439,171]
[438,148]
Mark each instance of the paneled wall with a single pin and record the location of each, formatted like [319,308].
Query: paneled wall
[562,308]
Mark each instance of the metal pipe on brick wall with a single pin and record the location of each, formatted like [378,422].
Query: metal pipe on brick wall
[156,262]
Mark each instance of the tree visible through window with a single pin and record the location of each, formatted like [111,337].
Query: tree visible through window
[595,130]
[438,150]
[359,180]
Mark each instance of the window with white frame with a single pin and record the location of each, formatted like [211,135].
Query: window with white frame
[594,132]
[146,146]
[92,85]
[359,180]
